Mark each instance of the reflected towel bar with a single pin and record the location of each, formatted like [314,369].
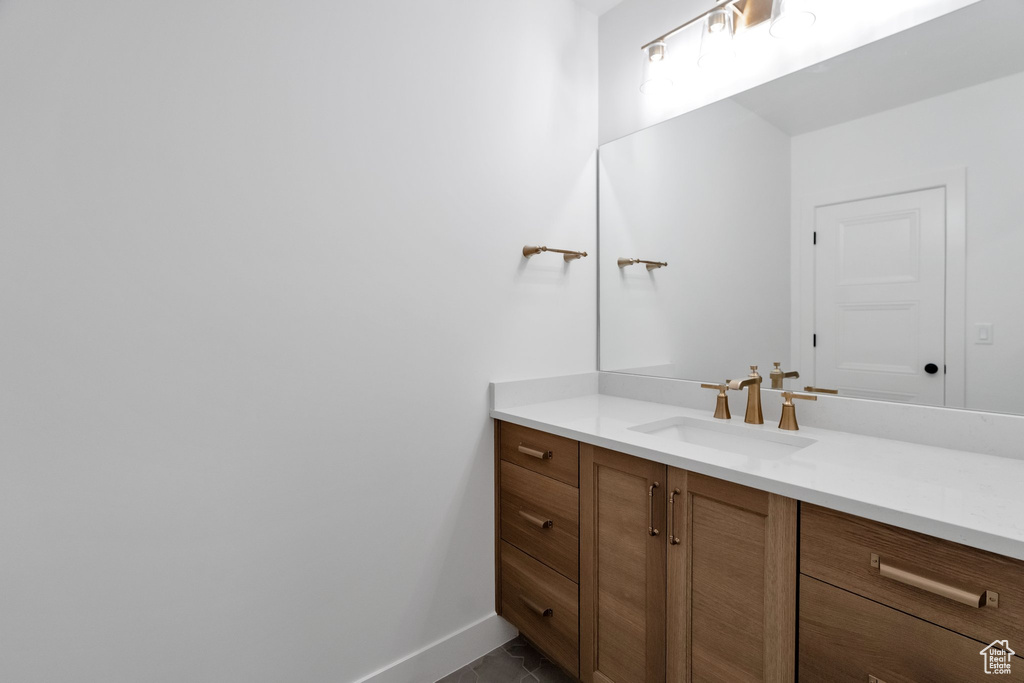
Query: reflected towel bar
[651,265]
[529,251]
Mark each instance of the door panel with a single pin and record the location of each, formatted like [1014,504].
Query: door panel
[622,568]
[731,582]
[880,297]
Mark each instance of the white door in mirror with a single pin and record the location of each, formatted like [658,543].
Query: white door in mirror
[880,297]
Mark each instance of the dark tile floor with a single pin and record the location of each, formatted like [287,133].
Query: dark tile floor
[514,662]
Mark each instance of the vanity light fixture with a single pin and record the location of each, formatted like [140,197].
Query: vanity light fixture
[726,19]
[568,255]
[651,265]
[791,17]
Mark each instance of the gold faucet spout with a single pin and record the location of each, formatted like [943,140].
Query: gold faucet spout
[753,386]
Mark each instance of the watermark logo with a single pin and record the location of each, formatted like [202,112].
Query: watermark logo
[997,657]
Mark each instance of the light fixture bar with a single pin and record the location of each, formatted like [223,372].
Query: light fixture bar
[718,5]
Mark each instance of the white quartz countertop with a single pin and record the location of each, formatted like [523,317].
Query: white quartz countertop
[968,498]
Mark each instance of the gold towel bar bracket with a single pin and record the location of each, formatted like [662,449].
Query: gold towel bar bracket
[568,255]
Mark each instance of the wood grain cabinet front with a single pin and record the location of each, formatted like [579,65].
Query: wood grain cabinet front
[547,454]
[845,638]
[622,568]
[540,516]
[967,590]
[732,569]
[543,604]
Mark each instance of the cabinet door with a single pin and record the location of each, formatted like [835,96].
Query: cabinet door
[622,568]
[732,580]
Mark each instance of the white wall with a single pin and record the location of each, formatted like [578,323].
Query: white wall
[841,27]
[259,261]
[977,128]
[709,194]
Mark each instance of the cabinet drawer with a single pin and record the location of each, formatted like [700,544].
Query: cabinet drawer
[838,548]
[845,638]
[540,516]
[550,455]
[529,591]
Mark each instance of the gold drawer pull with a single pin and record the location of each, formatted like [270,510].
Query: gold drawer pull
[535,520]
[534,453]
[672,539]
[650,510]
[536,609]
[872,679]
[963,596]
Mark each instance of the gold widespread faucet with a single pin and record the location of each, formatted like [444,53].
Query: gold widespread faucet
[788,421]
[779,377]
[754,415]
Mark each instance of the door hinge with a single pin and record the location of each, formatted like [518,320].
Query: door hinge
[815,341]
[815,237]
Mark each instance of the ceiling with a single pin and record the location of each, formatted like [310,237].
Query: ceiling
[598,7]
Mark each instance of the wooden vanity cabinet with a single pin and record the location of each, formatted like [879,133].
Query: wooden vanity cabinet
[624,570]
[677,577]
[622,567]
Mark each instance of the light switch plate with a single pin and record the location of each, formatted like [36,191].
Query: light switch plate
[983,333]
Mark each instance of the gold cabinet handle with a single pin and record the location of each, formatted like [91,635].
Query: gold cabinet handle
[650,510]
[672,540]
[873,679]
[535,520]
[934,586]
[537,609]
[534,453]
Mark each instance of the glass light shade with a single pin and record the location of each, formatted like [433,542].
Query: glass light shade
[791,17]
[716,48]
[656,78]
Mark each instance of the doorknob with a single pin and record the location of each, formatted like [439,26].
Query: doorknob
[931,368]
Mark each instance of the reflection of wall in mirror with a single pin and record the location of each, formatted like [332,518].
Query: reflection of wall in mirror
[980,128]
[709,193]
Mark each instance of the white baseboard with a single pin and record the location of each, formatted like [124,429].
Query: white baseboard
[444,656]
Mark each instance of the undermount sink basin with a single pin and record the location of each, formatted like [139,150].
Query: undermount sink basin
[737,439]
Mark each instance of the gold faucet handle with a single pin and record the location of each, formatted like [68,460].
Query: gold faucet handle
[789,396]
[722,406]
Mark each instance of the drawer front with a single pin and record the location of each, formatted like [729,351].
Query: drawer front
[917,574]
[845,638]
[547,454]
[529,590]
[540,516]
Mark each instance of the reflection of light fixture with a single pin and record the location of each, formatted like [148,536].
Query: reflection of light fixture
[716,47]
[656,77]
[791,17]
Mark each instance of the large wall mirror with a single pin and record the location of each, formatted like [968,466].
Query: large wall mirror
[858,222]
